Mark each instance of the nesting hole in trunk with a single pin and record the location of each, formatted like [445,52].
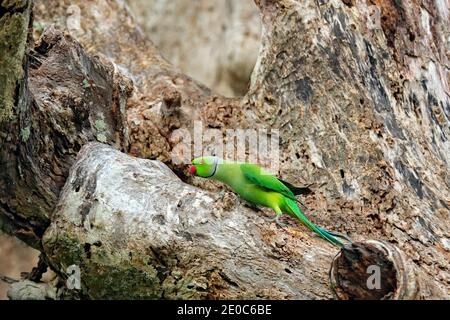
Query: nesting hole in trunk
[368,271]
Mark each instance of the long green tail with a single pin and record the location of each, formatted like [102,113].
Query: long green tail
[329,236]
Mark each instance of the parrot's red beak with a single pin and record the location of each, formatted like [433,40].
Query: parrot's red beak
[192,170]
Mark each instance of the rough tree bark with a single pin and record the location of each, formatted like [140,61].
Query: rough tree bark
[64,100]
[14,22]
[363,115]
[132,224]
[366,113]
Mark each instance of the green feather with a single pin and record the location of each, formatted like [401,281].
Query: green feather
[265,180]
[327,235]
[259,187]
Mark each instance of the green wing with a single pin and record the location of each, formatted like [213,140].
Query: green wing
[265,180]
[296,190]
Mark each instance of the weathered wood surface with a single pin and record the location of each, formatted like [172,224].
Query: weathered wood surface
[68,98]
[137,231]
[14,22]
[363,114]
[164,98]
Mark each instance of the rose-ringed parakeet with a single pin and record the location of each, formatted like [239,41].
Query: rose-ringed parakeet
[258,187]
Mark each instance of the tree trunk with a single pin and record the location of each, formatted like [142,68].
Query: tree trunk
[14,22]
[214,41]
[66,99]
[133,224]
[362,111]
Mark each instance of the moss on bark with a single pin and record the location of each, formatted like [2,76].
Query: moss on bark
[13,39]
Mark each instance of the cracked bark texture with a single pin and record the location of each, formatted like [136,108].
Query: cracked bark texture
[66,99]
[363,114]
[134,225]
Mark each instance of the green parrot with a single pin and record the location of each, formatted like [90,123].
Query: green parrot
[259,187]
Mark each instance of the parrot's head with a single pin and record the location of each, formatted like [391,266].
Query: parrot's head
[204,167]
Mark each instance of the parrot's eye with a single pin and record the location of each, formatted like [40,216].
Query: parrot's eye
[202,161]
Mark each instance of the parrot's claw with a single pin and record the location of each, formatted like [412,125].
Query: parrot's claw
[270,219]
[276,219]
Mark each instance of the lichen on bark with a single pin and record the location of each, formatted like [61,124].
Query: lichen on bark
[363,119]
[14,23]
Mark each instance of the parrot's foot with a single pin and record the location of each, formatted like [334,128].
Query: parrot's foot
[276,219]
